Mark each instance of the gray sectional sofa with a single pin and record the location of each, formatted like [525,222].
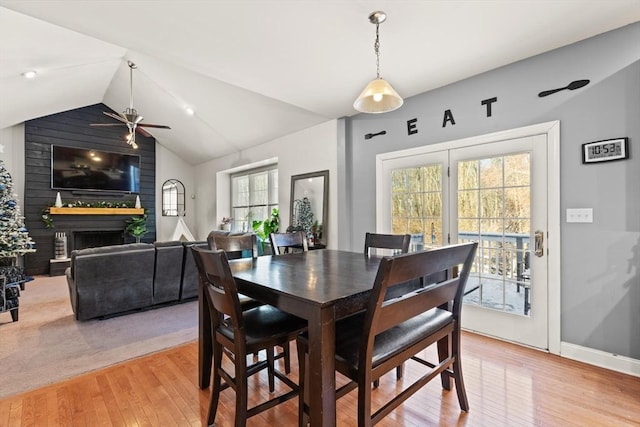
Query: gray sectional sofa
[111,280]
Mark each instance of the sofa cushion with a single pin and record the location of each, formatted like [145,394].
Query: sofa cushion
[112,249]
[189,286]
[111,279]
[168,271]
[168,243]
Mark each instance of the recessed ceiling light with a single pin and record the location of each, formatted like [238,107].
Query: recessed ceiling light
[29,74]
[189,111]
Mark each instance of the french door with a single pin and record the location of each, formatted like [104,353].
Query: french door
[495,192]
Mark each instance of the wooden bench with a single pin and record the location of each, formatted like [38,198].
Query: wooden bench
[392,331]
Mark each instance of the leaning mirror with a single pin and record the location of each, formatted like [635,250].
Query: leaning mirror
[309,205]
[172,198]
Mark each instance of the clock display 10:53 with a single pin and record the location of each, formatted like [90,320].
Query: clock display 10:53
[605,150]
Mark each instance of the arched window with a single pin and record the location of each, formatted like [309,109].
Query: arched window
[172,198]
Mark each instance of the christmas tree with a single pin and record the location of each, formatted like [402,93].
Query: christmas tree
[303,217]
[14,237]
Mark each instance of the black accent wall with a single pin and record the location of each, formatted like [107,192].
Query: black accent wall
[72,129]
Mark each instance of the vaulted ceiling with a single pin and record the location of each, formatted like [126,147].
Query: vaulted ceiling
[255,70]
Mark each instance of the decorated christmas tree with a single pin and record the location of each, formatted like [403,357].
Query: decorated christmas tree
[14,237]
[303,217]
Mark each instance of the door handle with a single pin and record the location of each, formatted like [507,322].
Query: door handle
[539,243]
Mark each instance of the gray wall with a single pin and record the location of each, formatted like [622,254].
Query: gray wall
[600,261]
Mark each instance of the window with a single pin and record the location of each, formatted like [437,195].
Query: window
[417,204]
[254,194]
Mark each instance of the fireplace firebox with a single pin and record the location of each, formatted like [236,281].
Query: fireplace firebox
[96,238]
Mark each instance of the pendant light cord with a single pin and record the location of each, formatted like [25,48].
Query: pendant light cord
[376,48]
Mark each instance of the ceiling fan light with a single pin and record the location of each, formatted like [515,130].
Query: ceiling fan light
[29,74]
[378,97]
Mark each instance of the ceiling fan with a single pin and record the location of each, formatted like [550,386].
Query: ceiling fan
[130,117]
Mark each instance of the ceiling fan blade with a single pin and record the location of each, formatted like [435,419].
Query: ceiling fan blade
[142,131]
[115,116]
[153,126]
[107,124]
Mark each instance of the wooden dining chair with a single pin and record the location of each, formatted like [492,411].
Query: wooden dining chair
[238,245]
[395,242]
[391,332]
[283,243]
[237,333]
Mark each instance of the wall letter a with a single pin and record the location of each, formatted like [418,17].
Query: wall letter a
[448,117]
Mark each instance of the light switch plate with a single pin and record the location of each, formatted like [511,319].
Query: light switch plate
[584,215]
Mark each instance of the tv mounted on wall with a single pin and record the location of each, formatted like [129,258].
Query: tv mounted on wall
[84,169]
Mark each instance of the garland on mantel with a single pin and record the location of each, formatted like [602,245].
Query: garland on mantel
[48,221]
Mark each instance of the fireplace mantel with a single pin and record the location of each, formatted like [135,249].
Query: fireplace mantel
[95,211]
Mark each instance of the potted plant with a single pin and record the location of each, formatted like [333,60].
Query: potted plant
[265,227]
[136,226]
[226,223]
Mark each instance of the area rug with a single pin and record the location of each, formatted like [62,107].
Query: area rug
[47,344]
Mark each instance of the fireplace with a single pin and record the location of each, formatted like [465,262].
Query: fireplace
[80,240]
[95,238]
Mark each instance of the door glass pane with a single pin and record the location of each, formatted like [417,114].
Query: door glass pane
[468,175]
[494,208]
[417,204]
[468,203]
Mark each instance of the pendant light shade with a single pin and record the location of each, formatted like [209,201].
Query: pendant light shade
[378,96]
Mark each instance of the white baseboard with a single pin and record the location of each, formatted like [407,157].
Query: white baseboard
[611,361]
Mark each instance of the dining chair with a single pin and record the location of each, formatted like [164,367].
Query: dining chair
[283,243]
[395,242]
[391,332]
[237,245]
[237,333]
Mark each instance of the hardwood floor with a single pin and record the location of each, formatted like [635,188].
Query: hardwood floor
[507,385]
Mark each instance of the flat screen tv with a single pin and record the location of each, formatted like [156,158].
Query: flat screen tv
[94,170]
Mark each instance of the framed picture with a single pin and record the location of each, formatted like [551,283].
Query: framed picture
[606,150]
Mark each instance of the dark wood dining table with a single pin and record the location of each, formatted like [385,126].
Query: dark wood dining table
[319,286]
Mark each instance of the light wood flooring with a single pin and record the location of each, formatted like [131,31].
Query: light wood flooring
[507,385]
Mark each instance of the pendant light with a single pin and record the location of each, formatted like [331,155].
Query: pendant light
[378,96]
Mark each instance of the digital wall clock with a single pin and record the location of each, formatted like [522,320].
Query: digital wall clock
[606,150]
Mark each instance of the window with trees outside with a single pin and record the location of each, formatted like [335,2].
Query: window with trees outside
[417,204]
[254,194]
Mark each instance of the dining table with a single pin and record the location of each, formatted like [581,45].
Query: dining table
[319,286]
